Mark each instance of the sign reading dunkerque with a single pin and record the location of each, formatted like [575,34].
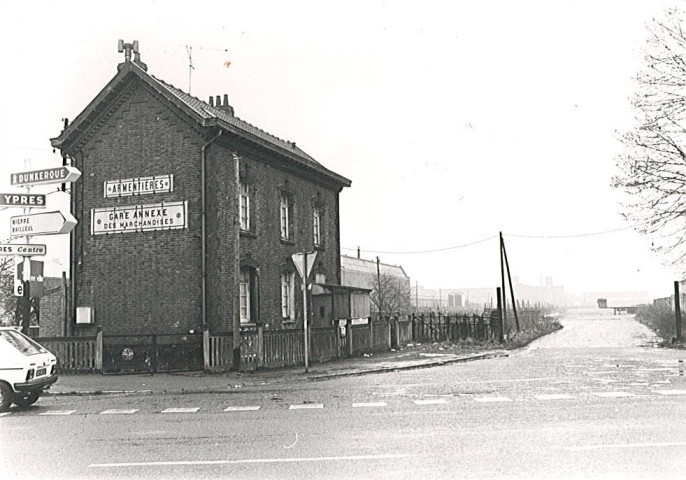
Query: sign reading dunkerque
[139,218]
[139,186]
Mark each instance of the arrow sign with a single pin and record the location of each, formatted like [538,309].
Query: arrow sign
[24,249]
[48,223]
[43,177]
[22,200]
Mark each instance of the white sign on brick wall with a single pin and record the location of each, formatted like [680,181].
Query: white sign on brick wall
[139,186]
[139,218]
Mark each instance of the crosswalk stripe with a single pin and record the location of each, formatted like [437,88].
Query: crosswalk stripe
[670,392]
[306,406]
[58,412]
[553,396]
[492,399]
[369,404]
[119,411]
[437,401]
[613,394]
[181,410]
[246,408]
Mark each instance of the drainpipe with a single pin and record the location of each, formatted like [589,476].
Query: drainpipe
[203,227]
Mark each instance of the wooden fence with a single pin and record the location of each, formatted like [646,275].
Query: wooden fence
[282,348]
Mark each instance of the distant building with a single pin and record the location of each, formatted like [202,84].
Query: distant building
[361,273]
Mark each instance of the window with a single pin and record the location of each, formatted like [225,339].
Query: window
[244,291]
[288,296]
[285,217]
[316,222]
[244,207]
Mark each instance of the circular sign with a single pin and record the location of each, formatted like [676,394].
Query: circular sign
[127,354]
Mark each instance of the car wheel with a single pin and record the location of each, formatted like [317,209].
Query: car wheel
[6,395]
[26,398]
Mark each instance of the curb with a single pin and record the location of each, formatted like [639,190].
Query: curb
[314,378]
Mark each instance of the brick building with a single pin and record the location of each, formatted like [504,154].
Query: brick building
[189,215]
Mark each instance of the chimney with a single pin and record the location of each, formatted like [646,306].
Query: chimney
[223,106]
[211,101]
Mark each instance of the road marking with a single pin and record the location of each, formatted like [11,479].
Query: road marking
[613,394]
[306,406]
[58,412]
[626,445]
[248,461]
[553,396]
[492,399]
[670,392]
[437,401]
[119,411]
[247,408]
[369,404]
[4,413]
[181,410]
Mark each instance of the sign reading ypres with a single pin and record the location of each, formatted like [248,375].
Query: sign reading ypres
[22,200]
[42,177]
[24,250]
[139,218]
[139,186]
[46,223]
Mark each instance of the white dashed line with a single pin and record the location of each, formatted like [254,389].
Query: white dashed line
[553,396]
[369,404]
[246,408]
[437,401]
[58,412]
[306,406]
[181,410]
[670,392]
[119,411]
[613,394]
[492,399]
[4,413]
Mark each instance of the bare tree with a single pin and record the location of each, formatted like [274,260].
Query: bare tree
[8,302]
[390,295]
[653,164]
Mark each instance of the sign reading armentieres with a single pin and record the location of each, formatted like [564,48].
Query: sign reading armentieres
[139,186]
[64,174]
[25,200]
[139,218]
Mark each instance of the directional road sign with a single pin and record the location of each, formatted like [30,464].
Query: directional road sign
[46,223]
[22,200]
[23,249]
[43,177]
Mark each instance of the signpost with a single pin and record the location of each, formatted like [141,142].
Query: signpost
[45,223]
[63,174]
[304,262]
[23,200]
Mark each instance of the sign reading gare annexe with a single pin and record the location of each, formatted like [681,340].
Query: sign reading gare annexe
[139,218]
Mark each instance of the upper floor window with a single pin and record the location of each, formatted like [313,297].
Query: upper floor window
[316,224]
[244,207]
[285,215]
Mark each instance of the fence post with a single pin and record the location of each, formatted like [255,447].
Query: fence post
[260,346]
[396,322]
[98,350]
[206,348]
[349,331]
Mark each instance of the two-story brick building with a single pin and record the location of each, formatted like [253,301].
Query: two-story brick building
[188,216]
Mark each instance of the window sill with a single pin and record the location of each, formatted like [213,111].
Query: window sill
[248,234]
[287,241]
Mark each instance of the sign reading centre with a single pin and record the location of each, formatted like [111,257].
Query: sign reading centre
[139,186]
[139,218]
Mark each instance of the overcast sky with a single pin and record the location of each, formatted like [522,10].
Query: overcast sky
[454,122]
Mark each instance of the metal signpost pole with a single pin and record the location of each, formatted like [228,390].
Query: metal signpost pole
[305,310]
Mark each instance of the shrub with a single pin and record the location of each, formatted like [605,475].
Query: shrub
[660,319]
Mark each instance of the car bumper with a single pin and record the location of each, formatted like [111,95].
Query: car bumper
[35,384]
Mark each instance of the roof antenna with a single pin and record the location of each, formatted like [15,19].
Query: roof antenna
[189,50]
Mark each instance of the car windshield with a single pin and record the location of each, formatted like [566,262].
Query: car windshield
[21,342]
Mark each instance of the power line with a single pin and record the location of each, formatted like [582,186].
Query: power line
[426,251]
[575,235]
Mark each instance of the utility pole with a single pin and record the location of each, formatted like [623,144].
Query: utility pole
[378,285]
[501,292]
[509,279]
[677,311]
[237,267]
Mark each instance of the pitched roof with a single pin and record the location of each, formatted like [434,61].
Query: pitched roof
[203,113]
[360,265]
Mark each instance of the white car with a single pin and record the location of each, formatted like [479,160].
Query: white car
[26,369]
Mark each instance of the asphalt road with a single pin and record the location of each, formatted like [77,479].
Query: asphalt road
[594,400]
